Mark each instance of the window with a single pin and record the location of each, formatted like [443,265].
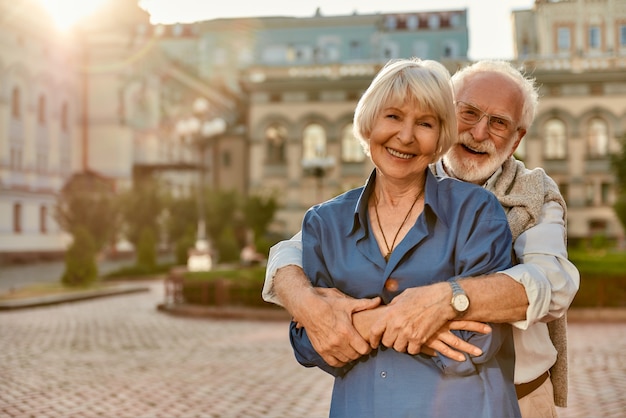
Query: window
[622,36]
[555,140]
[563,39]
[351,150]
[450,49]
[313,142]
[606,192]
[15,162]
[43,216]
[41,110]
[594,37]
[356,50]
[564,189]
[589,194]
[17,218]
[15,104]
[434,21]
[391,23]
[412,22]
[41,162]
[276,138]
[390,50]
[64,118]
[420,49]
[597,138]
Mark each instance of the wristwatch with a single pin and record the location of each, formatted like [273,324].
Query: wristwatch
[460,302]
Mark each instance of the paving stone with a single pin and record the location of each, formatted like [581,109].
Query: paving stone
[121,357]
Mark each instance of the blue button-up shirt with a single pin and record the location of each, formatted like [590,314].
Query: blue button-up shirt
[462,231]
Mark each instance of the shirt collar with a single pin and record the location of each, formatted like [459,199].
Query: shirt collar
[360,209]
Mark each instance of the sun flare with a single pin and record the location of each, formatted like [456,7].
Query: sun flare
[66,13]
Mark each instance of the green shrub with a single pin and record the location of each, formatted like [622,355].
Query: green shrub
[602,278]
[80,260]
[146,249]
[238,287]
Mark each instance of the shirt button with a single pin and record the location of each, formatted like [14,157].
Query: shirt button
[383,374]
[391,285]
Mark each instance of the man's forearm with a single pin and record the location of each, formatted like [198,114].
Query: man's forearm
[291,286]
[495,298]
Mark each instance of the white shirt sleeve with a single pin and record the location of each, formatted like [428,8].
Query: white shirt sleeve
[284,253]
[550,279]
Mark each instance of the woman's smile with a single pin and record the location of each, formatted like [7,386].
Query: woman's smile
[399,154]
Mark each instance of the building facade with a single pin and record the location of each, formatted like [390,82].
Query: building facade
[39,150]
[576,50]
[123,97]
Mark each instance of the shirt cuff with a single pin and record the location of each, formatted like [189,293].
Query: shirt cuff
[283,254]
[537,292]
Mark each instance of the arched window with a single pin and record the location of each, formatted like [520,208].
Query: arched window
[597,138]
[555,140]
[16,110]
[313,142]
[43,219]
[64,118]
[17,218]
[276,139]
[351,150]
[41,110]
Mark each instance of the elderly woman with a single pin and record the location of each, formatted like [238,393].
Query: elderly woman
[403,229]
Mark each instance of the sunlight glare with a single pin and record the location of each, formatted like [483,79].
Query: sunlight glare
[66,13]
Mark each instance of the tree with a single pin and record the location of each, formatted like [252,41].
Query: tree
[80,262]
[140,209]
[228,216]
[146,250]
[88,201]
[259,212]
[618,162]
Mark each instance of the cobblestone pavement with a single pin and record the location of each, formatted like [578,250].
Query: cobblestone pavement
[119,357]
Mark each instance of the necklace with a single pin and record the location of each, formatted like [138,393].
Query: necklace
[393,244]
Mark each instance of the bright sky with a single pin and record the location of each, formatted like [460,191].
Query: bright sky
[489,20]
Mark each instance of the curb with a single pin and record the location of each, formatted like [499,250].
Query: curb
[225,312]
[121,289]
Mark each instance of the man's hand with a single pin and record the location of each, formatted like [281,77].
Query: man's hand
[412,318]
[326,315]
[452,346]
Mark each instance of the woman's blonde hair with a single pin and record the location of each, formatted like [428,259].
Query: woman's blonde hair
[425,83]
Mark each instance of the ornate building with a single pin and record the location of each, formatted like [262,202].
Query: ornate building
[576,50]
[122,97]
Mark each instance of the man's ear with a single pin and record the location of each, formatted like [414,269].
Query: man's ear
[520,134]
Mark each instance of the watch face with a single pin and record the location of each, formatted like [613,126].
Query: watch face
[461,303]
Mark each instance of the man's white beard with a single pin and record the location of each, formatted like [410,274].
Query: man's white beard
[470,170]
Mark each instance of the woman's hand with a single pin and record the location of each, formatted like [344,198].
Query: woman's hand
[452,346]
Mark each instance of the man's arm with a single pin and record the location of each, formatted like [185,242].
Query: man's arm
[540,288]
[326,314]
[549,279]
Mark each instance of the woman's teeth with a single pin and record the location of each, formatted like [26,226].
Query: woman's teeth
[399,154]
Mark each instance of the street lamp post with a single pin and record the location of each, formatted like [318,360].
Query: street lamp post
[318,167]
[202,130]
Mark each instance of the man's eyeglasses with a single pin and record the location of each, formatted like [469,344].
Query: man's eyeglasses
[497,125]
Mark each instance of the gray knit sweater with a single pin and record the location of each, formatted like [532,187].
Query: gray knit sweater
[522,193]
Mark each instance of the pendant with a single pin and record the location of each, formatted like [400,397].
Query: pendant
[387,257]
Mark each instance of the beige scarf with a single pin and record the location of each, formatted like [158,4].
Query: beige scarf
[522,193]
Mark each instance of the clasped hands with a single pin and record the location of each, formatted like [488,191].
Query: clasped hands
[342,329]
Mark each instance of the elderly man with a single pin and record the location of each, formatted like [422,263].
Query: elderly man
[495,106]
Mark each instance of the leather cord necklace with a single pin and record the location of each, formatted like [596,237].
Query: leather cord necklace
[380,227]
